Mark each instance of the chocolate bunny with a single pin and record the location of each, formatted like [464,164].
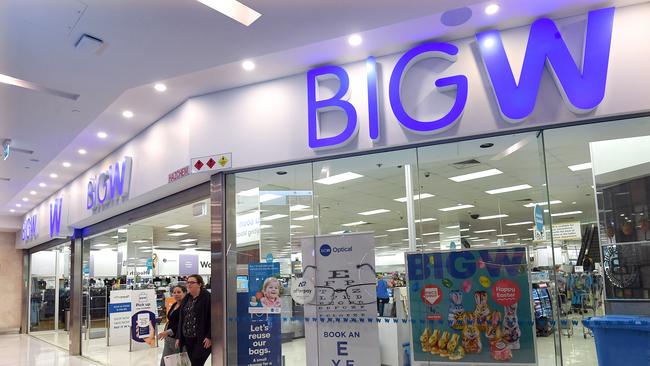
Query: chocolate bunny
[456,310]
[471,335]
[511,331]
[481,311]
[493,331]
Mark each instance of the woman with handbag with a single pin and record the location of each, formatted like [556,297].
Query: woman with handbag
[194,323]
[170,334]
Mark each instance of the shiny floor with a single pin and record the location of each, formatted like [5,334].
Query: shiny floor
[47,349]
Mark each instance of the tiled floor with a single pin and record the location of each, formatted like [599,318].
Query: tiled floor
[25,350]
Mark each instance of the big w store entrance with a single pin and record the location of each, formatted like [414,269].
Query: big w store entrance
[487,251]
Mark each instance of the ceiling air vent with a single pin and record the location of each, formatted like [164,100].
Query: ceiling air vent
[466,164]
[89,44]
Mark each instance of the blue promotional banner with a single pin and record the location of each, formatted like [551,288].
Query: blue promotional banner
[259,338]
[471,306]
[264,288]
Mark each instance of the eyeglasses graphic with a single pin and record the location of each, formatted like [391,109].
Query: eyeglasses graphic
[357,294]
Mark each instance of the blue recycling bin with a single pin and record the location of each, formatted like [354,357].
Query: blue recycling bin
[621,339]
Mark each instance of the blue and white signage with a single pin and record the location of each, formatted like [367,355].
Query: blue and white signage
[582,86]
[110,186]
[29,231]
[55,217]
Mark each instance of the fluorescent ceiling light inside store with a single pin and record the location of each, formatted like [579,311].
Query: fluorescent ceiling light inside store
[381,236]
[176,227]
[234,10]
[298,208]
[397,229]
[356,223]
[337,232]
[249,192]
[415,197]
[434,233]
[177,234]
[492,217]
[520,223]
[477,175]
[374,212]
[266,226]
[566,213]
[509,189]
[294,226]
[334,179]
[454,208]
[188,244]
[265,197]
[426,219]
[502,235]
[273,217]
[554,202]
[305,218]
[479,239]
[100,245]
[140,241]
[188,240]
[578,167]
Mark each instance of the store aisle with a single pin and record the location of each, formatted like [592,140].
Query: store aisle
[23,350]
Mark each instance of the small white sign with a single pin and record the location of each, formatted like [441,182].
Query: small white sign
[248,228]
[579,269]
[302,290]
[211,163]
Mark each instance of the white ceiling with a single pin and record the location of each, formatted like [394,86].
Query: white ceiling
[194,50]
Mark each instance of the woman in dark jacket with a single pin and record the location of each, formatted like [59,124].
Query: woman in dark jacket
[170,334]
[194,323]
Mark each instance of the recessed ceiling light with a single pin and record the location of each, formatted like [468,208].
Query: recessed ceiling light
[248,65]
[415,197]
[12,210]
[509,189]
[491,9]
[488,43]
[578,167]
[355,40]
[334,179]
[176,226]
[452,227]
[520,223]
[127,114]
[160,87]
[42,185]
[273,217]
[356,223]
[33,193]
[374,212]
[477,175]
[178,233]
[54,175]
[233,9]
[82,151]
[25,199]
[66,164]
[492,217]
[566,213]
[19,205]
[465,229]
[102,134]
[454,208]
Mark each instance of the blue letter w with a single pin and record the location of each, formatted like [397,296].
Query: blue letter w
[583,88]
[55,217]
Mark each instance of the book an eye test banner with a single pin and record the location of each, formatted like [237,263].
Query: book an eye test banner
[471,306]
[341,318]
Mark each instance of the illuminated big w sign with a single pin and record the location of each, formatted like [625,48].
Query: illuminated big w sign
[111,185]
[55,217]
[581,86]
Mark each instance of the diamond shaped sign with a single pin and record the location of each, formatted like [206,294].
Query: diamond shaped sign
[211,163]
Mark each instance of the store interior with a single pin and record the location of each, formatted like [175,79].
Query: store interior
[471,194]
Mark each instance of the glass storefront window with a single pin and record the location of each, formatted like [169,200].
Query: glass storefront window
[49,300]
[138,265]
[333,236]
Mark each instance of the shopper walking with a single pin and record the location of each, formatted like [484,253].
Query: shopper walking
[382,294]
[194,323]
[170,334]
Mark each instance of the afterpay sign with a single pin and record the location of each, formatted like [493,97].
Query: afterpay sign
[581,86]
